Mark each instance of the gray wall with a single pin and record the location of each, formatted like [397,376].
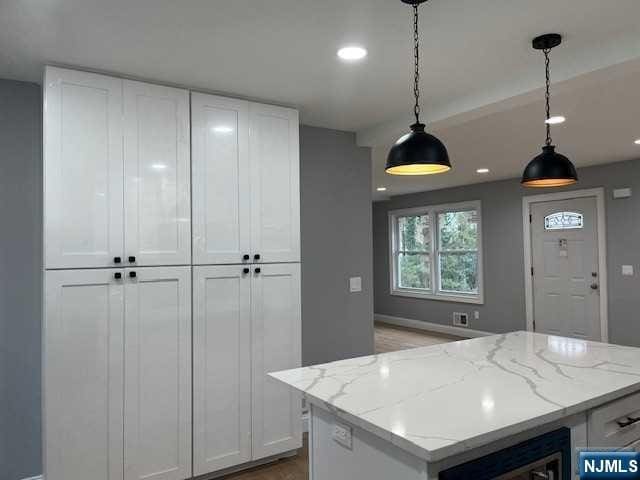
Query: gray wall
[336,244]
[20,279]
[504,307]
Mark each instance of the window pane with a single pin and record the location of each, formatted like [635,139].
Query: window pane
[563,221]
[458,230]
[414,271]
[459,272]
[414,233]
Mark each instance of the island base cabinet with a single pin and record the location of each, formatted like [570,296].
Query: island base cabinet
[246,324]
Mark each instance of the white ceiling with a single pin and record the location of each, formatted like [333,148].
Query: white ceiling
[476,60]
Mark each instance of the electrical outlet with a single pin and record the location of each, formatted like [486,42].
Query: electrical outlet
[355,284]
[342,434]
[476,315]
[460,319]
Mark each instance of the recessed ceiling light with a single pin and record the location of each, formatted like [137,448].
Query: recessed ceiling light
[637,142]
[482,170]
[352,53]
[381,189]
[555,120]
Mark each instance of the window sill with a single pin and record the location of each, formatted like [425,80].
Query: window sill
[443,297]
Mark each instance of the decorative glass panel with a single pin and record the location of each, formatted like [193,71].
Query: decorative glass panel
[563,221]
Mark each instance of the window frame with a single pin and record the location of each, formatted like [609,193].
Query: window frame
[435,292]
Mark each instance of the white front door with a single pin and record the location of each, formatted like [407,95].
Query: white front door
[566,277]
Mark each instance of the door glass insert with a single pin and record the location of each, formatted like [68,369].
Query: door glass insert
[563,221]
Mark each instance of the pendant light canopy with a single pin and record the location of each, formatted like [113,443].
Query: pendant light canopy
[549,169]
[417,152]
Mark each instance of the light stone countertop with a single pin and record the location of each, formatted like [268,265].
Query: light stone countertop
[438,401]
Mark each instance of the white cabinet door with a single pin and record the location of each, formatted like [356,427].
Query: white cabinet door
[220,173]
[83,219]
[275,183]
[157,175]
[83,364]
[276,330]
[157,401]
[222,367]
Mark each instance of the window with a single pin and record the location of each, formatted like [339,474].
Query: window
[436,252]
[563,221]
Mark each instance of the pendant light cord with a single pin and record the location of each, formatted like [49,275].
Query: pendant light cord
[416,78]
[547,95]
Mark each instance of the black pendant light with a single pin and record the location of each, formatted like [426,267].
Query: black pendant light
[549,169]
[417,152]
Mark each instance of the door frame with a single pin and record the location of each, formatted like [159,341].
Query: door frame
[598,194]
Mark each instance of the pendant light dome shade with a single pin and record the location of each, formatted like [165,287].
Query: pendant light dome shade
[418,153]
[549,169]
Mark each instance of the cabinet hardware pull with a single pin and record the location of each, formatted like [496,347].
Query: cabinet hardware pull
[117,259]
[132,259]
[257,270]
[132,274]
[245,256]
[245,270]
[628,422]
[256,256]
[117,275]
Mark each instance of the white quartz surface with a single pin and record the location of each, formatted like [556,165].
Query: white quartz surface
[445,399]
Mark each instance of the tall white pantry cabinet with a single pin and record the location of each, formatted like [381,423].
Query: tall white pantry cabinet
[172,280]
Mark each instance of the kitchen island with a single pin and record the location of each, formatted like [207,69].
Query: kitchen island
[417,414]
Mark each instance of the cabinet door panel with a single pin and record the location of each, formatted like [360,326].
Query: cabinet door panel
[275,183]
[276,330]
[158,374]
[222,368]
[221,200]
[157,171]
[83,381]
[83,204]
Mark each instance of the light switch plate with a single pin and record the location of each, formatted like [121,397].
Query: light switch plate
[355,284]
[342,434]
[627,270]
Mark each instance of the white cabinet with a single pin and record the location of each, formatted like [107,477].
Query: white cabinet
[83,169]
[246,324]
[222,367]
[276,333]
[117,172]
[275,183]
[157,175]
[157,416]
[246,194]
[83,375]
[220,172]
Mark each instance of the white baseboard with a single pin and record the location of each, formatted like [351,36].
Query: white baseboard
[39,477]
[431,327]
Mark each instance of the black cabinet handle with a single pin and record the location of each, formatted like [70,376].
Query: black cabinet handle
[245,256]
[117,259]
[256,256]
[628,422]
[132,259]
[117,275]
[257,270]
[132,274]
[245,270]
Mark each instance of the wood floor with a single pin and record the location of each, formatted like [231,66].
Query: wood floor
[388,338]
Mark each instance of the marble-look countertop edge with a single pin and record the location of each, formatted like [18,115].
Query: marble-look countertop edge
[462,446]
